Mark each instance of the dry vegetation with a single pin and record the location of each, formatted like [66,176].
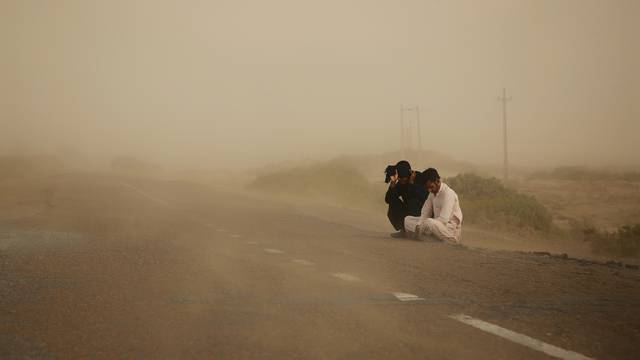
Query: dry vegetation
[597,206]
[336,181]
[486,201]
[625,241]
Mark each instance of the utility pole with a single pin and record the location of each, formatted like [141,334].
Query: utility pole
[418,129]
[504,100]
[402,132]
[407,131]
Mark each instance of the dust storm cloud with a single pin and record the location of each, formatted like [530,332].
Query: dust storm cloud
[245,83]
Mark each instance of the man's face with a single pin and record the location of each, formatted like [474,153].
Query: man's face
[433,186]
[403,180]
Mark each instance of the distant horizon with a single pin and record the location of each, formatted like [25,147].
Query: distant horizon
[105,163]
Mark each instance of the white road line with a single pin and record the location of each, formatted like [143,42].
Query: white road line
[235,236]
[252,242]
[303,262]
[519,338]
[407,297]
[150,197]
[274,251]
[346,277]
[222,230]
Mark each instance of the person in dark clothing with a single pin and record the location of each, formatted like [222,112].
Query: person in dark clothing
[404,197]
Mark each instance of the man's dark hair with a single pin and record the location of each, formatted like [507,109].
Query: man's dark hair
[430,174]
[404,169]
[389,172]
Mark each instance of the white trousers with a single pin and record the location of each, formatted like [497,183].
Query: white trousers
[449,232]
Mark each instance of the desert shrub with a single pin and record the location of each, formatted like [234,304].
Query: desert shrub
[336,180]
[625,241]
[488,201]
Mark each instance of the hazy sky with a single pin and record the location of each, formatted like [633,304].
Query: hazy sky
[250,82]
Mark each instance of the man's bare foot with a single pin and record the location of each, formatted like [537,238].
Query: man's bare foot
[416,233]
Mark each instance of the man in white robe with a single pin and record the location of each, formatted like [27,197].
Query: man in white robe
[441,215]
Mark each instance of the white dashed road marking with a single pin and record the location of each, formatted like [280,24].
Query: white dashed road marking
[407,297]
[303,262]
[252,242]
[235,236]
[346,277]
[222,230]
[519,338]
[274,251]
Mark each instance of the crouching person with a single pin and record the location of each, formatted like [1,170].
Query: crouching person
[441,215]
[403,195]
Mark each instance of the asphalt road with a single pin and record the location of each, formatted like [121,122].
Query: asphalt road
[121,268]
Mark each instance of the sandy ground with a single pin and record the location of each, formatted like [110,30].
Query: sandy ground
[604,204]
[97,266]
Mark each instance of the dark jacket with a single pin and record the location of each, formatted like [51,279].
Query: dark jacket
[410,195]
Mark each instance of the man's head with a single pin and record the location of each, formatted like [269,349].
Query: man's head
[430,179]
[389,172]
[404,171]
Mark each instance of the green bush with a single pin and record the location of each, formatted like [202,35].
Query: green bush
[487,201]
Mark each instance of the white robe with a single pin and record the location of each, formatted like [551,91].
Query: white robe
[441,216]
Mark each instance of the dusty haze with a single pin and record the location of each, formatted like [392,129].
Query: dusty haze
[202,179]
[245,83]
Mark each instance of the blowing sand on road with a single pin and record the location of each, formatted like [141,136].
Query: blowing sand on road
[111,272]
